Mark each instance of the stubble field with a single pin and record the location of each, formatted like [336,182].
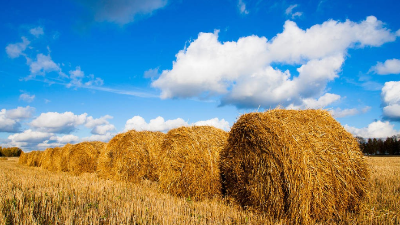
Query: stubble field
[30,195]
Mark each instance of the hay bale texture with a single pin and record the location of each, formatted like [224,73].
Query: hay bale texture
[132,156]
[82,158]
[300,165]
[190,162]
[34,158]
[51,159]
[23,158]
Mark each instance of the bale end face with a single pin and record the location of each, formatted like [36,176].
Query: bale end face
[296,164]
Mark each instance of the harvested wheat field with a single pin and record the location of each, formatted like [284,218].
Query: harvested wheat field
[82,157]
[30,195]
[190,162]
[132,156]
[300,165]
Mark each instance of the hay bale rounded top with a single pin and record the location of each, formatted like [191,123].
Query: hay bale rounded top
[190,162]
[82,157]
[132,156]
[301,165]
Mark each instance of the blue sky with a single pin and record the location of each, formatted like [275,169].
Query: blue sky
[72,71]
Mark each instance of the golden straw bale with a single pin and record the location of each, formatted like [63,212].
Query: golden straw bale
[190,162]
[301,165]
[34,158]
[23,158]
[63,163]
[132,156]
[51,159]
[82,157]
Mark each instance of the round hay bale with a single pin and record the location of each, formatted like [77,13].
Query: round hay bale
[132,156]
[51,159]
[301,165]
[34,158]
[63,163]
[23,158]
[190,162]
[82,157]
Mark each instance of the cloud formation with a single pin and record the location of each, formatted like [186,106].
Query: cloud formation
[242,72]
[390,66]
[122,12]
[289,11]
[37,31]
[26,97]
[10,119]
[242,7]
[377,129]
[138,123]
[391,100]
[17,49]
[54,122]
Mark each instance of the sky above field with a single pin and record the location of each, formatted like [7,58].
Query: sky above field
[73,71]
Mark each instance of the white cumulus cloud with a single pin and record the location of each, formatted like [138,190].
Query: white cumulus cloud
[391,100]
[55,122]
[20,113]
[241,72]
[390,66]
[376,129]
[103,129]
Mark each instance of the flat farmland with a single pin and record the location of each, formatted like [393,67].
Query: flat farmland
[30,195]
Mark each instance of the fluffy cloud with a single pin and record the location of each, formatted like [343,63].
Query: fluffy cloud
[159,124]
[242,7]
[391,100]
[376,129]
[26,97]
[37,31]
[54,122]
[30,136]
[10,119]
[339,113]
[20,113]
[103,129]
[104,138]
[242,72]
[390,66]
[15,50]
[122,11]
[221,124]
[43,64]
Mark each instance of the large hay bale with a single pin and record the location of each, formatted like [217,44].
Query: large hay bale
[63,163]
[82,157]
[301,165]
[23,158]
[190,162]
[51,159]
[132,156]
[34,158]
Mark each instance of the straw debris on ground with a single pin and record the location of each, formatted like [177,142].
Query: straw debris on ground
[190,162]
[132,156]
[300,165]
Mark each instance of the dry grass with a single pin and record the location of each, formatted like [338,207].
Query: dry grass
[301,165]
[132,156]
[190,162]
[3,158]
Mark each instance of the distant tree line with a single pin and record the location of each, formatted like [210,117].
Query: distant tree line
[374,146]
[10,152]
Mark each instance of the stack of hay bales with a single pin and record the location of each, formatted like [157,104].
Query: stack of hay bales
[23,158]
[301,165]
[82,158]
[190,162]
[132,156]
[34,158]
[51,159]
